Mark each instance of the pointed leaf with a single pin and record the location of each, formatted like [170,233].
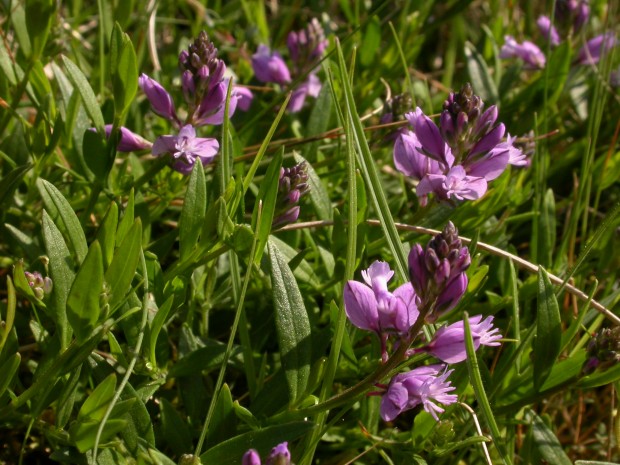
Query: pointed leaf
[547,344]
[121,271]
[83,308]
[292,324]
[549,448]
[81,84]
[194,211]
[106,235]
[318,193]
[64,217]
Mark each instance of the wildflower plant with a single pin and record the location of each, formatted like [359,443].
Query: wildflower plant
[419,267]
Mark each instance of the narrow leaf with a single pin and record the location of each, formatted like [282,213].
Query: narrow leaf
[121,271]
[81,84]
[318,193]
[106,235]
[194,211]
[292,324]
[83,308]
[8,370]
[64,217]
[480,76]
[547,343]
[549,448]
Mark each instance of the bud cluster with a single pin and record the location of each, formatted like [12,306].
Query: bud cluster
[603,350]
[437,272]
[40,286]
[292,186]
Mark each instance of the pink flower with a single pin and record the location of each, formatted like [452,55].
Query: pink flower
[186,148]
[269,66]
[527,51]
[421,386]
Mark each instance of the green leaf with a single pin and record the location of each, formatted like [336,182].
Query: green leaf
[318,193]
[127,220]
[224,422]
[11,180]
[123,70]
[371,43]
[84,433]
[292,324]
[156,325]
[546,229]
[121,271]
[174,428]
[230,452]
[8,370]
[64,217]
[481,79]
[194,211]
[106,235]
[95,406]
[39,16]
[81,84]
[7,326]
[67,398]
[600,378]
[61,272]
[547,343]
[83,308]
[268,195]
[548,447]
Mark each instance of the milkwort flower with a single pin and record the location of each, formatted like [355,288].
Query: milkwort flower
[371,306]
[292,186]
[204,91]
[306,47]
[437,272]
[426,386]
[40,286]
[457,159]
[279,455]
[448,343]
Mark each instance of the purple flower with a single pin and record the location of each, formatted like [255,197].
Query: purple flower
[311,87]
[373,307]
[40,286]
[160,99]
[130,141]
[306,46]
[437,272]
[244,97]
[293,184]
[592,51]
[269,66]
[429,137]
[548,30]
[527,51]
[448,343]
[186,148]
[279,455]
[454,184]
[424,386]
[409,160]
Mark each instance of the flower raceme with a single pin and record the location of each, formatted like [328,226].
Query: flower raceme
[457,159]
[279,455]
[426,386]
[204,91]
[306,47]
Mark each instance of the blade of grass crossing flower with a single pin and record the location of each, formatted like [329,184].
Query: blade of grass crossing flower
[233,332]
[371,176]
[266,204]
[263,148]
[334,354]
[194,211]
[481,396]
[547,343]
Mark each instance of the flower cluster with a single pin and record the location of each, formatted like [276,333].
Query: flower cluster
[569,18]
[305,47]
[457,159]
[279,455]
[40,286]
[204,91]
[438,281]
[292,186]
[603,350]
